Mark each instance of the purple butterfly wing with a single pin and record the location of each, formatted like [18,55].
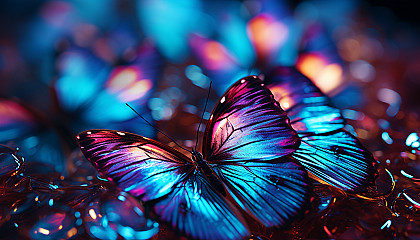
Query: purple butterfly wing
[309,110]
[328,152]
[165,178]
[246,129]
[247,124]
[141,166]
[339,159]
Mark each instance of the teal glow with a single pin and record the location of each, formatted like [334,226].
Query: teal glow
[387,138]
[412,140]
[170,23]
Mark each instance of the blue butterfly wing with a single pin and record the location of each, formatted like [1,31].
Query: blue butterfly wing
[200,212]
[328,152]
[339,159]
[247,124]
[309,110]
[273,193]
[248,128]
[160,175]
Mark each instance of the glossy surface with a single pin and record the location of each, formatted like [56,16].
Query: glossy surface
[113,214]
[53,223]
[151,170]
[10,163]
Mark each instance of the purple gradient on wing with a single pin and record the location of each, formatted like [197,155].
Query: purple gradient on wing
[141,166]
[309,110]
[247,124]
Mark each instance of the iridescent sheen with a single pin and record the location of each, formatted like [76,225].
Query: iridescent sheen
[339,159]
[310,111]
[273,193]
[141,166]
[247,125]
[247,128]
[328,152]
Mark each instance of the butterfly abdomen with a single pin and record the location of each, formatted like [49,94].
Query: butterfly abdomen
[204,167]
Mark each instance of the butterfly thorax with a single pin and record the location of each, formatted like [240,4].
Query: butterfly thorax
[202,165]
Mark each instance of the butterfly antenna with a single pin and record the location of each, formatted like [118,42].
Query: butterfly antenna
[157,129]
[202,115]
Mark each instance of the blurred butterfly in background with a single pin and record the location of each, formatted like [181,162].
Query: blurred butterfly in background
[244,145]
[23,128]
[169,24]
[260,36]
[88,92]
[91,93]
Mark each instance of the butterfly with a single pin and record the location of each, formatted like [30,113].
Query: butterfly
[22,127]
[330,153]
[244,144]
[91,92]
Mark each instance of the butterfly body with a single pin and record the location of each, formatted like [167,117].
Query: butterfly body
[203,166]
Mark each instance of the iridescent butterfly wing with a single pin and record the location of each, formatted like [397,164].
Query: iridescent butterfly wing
[245,138]
[309,110]
[331,154]
[165,179]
